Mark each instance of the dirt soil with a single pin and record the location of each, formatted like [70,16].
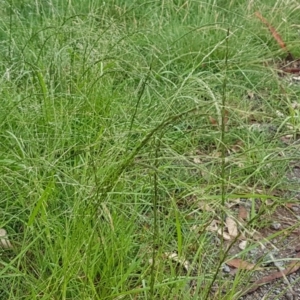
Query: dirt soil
[283,236]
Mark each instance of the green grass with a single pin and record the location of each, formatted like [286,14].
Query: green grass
[104,125]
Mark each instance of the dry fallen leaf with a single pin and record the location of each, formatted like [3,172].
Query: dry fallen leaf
[216,154]
[250,95]
[295,104]
[256,236]
[269,202]
[197,160]
[4,242]
[232,227]
[173,256]
[213,226]
[225,235]
[286,138]
[212,121]
[237,146]
[291,205]
[243,213]
[293,267]
[232,202]
[204,206]
[242,264]
[243,245]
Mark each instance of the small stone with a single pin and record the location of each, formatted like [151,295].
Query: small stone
[225,268]
[276,225]
[277,291]
[289,296]
[279,264]
[268,258]
[295,208]
[253,251]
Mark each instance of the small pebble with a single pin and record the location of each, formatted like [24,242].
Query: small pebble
[295,208]
[253,251]
[277,291]
[225,268]
[289,296]
[275,225]
[279,264]
[268,258]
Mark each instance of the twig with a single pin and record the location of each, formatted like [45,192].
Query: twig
[276,35]
[292,268]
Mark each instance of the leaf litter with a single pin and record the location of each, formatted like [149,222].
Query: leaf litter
[4,241]
[230,230]
[242,264]
[281,236]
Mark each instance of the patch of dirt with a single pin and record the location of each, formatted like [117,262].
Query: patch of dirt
[277,255]
[280,246]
